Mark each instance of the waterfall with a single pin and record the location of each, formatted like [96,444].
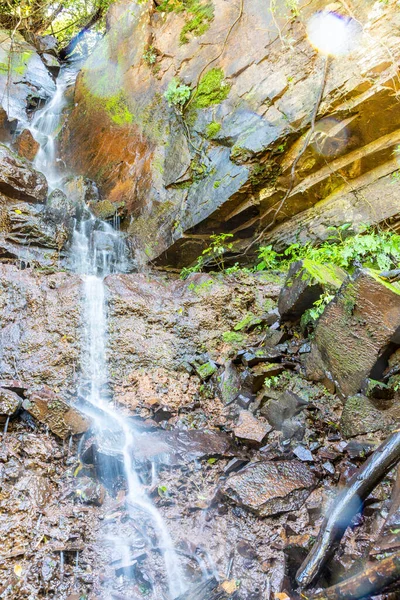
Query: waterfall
[98,250]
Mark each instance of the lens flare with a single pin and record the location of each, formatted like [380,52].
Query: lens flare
[333,34]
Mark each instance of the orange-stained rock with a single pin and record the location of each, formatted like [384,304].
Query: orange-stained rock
[26,145]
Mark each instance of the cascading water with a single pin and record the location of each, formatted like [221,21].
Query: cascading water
[98,250]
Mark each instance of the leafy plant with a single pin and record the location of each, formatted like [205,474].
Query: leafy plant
[214,252]
[150,56]
[311,315]
[370,248]
[177,94]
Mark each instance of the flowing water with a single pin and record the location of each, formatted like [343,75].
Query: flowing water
[98,250]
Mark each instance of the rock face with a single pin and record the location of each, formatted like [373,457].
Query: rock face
[353,336]
[18,180]
[250,109]
[40,319]
[27,82]
[361,416]
[269,488]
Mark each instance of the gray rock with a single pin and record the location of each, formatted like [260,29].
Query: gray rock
[19,180]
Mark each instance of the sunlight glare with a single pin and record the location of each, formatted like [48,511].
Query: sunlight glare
[331,33]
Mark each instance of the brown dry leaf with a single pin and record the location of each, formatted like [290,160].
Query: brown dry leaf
[229,586]
[18,570]
[281,596]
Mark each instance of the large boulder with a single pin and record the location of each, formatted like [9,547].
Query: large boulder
[270,487]
[354,335]
[19,180]
[360,415]
[305,283]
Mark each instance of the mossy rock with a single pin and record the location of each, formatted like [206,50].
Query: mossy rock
[305,283]
[361,416]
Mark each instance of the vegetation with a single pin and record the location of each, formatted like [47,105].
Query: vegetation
[214,252]
[213,129]
[177,94]
[150,56]
[369,248]
[212,89]
[69,21]
[199,16]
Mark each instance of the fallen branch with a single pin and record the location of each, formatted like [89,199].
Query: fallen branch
[374,580]
[70,47]
[347,505]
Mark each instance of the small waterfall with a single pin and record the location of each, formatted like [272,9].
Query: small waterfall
[44,128]
[98,250]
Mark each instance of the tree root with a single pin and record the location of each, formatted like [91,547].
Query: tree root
[347,505]
[374,580]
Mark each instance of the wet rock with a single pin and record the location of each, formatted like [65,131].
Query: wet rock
[7,127]
[10,403]
[250,430]
[361,416]
[255,356]
[230,383]
[270,487]
[63,420]
[59,206]
[51,63]
[281,406]
[26,145]
[81,191]
[305,283]
[28,80]
[162,447]
[26,224]
[354,333]
[19,180]
[234,465]
[244,401]
[90,491]
[207,590]
[206,370]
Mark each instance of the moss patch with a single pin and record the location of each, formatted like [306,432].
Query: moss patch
[118,110]
[213,129]
[212,89]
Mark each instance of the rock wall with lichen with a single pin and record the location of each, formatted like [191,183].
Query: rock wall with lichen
[225,164]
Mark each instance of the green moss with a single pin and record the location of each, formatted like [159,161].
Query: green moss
[212,89]
[212,129]
[326,274]
[232,337]
[394,287]
[205,371]
[106,209]
[118,110]
[250,320]
[202,15]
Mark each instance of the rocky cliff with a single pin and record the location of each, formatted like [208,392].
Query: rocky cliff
[233,160]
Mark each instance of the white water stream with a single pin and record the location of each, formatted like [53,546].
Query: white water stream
[98,250]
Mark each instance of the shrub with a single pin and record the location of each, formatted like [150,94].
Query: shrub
[177,94]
